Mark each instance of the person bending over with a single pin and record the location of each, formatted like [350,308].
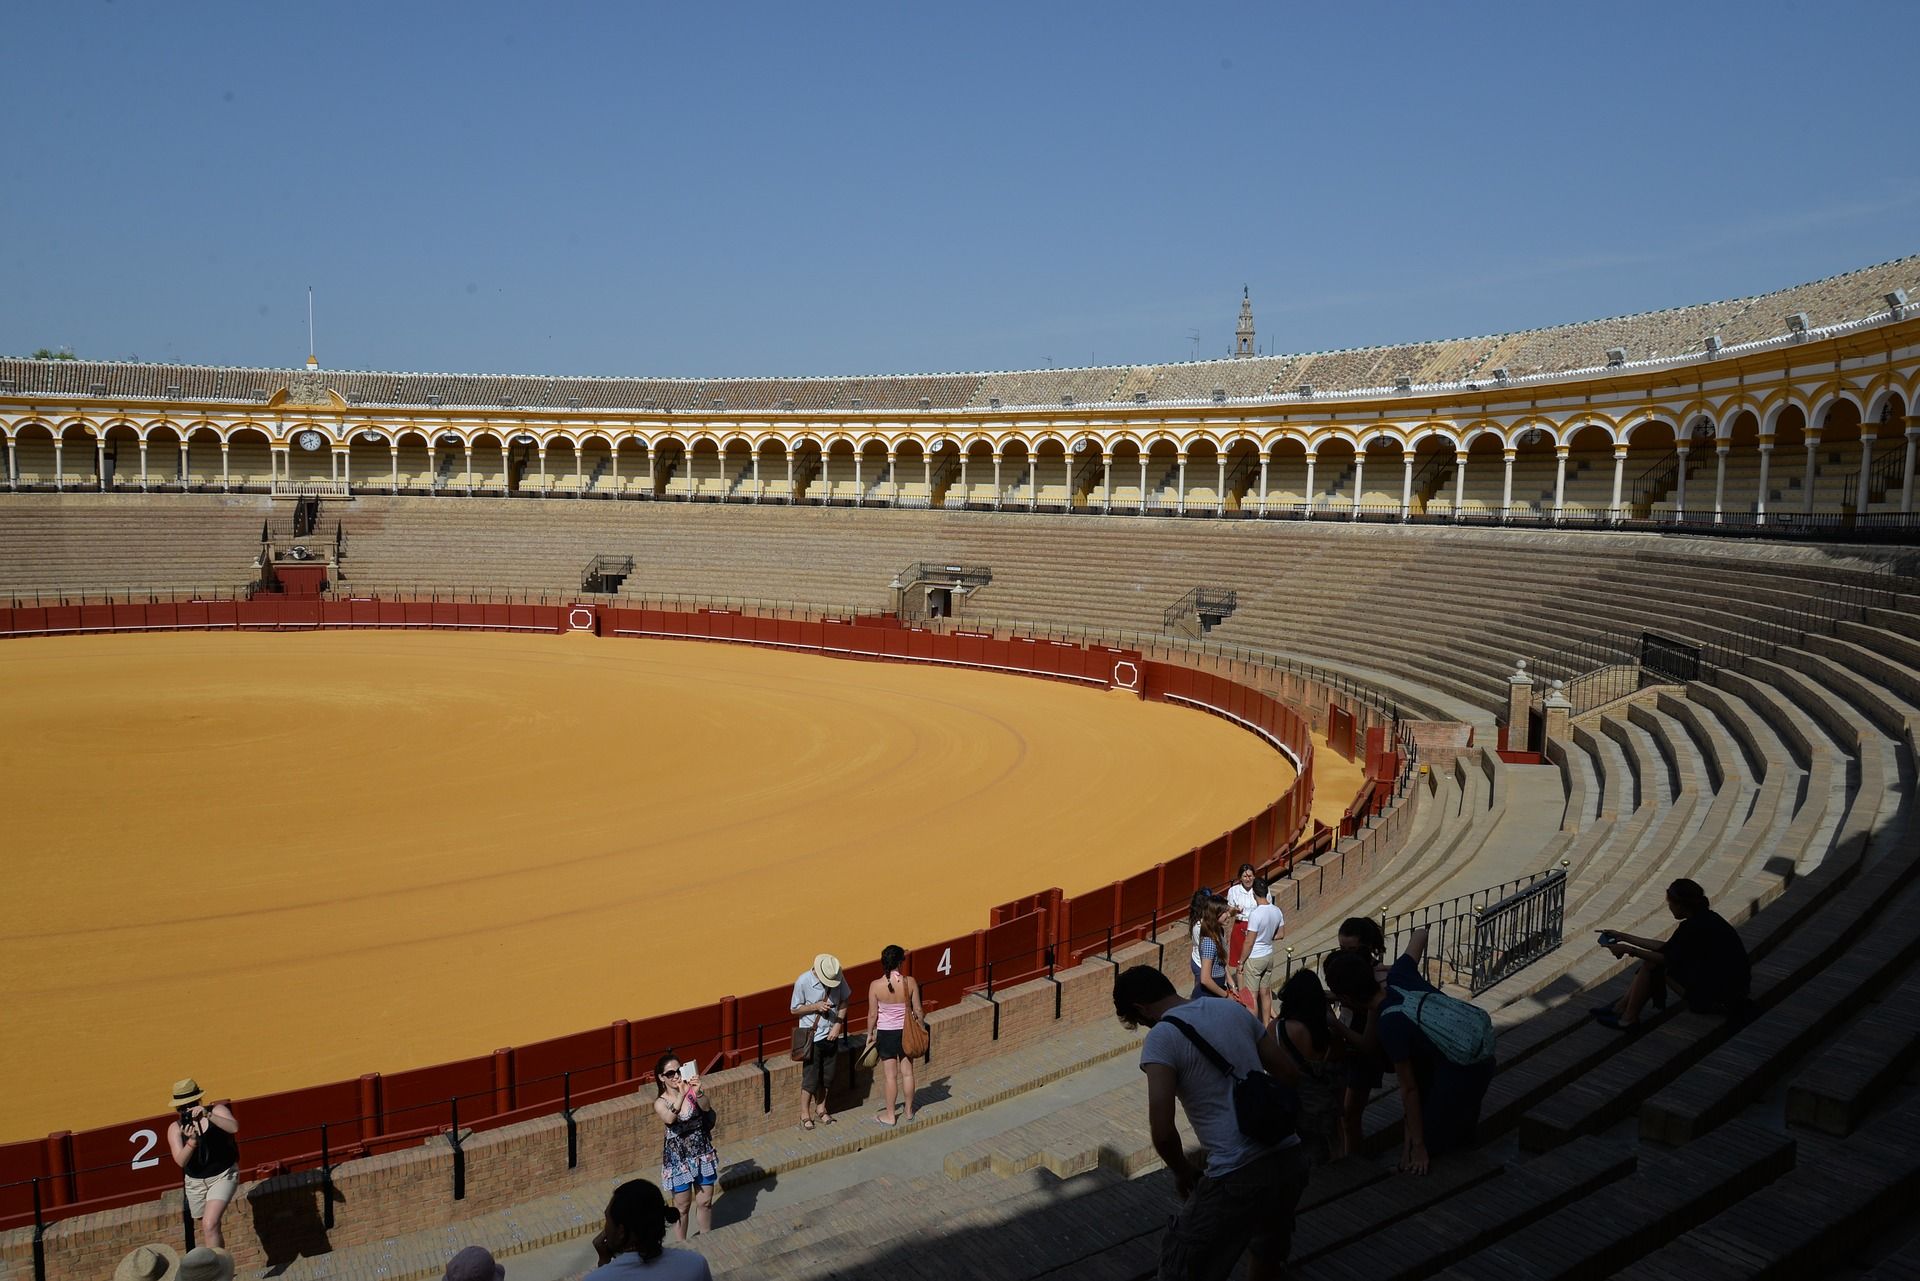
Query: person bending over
[1365,1067]
[1703,961]
[1441,1098]
[201,1139]
[1244,1200]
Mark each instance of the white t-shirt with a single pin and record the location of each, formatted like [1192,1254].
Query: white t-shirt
[1203,1089]
[1241,900]
[1261,927]
[672,1265]
[1194,933]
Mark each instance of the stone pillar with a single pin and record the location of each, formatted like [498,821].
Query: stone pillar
[1263,482]
[1406,486]
[1560,453]
[1559,710]
[1865,497]
[926,474]
[1106,482]
[143,467]
[1312,458]
[1680,489]
[1220,494]
[466,466]
[226,482]
[579,474]
[1519,707]
[1906,477]
[1760,498]
[1811,480]
[1506,485]
[965,494]
[506,465]
[1033,483]
[59,464]
[542,447]
[1459,483]
[393,466]
[791,496]
[100,462]
[346,464]
[996,480]
[1143,484]
[186,470]
[893,474]
[1721,449]
[1180,494]
[1359,481]
[1614,512]
[13,465]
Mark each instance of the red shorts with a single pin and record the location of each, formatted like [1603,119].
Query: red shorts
[1237,945]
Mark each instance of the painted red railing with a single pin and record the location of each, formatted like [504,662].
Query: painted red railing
[72,1173]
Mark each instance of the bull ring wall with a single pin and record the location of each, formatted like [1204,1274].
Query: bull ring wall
[1847,386]
[352,1162]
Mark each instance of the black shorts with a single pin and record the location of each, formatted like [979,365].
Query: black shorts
[889,1043]
[816,1074]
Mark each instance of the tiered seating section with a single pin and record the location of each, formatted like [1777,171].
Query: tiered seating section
[1676,332]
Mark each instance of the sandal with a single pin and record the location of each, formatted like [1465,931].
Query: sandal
[807,1124]
[827,1120]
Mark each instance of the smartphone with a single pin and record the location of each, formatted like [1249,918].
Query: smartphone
[1608,939]
[689,1074]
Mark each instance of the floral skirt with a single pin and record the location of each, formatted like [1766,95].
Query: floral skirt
[687,1161]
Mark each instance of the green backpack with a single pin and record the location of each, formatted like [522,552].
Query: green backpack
[1460,1030]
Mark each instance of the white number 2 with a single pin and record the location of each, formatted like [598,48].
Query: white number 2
[946,963]
[141,1160]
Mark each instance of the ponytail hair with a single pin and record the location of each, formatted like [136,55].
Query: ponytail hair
[892,957]
[639,1209]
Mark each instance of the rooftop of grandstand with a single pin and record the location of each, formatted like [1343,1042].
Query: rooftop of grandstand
[1649,339]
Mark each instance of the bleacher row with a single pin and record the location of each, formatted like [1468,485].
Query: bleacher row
[1782,780]
[1674,332]
[1051,481]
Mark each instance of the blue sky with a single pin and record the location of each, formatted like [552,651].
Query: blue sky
[710,190]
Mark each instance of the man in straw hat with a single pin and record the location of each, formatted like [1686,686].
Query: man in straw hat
[149,1263]
[201,1139]
[820,997]
[205,1263]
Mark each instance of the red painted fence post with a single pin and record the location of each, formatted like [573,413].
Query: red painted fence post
[979,958]
[729,1030]
[622,1050]
[370,1125]
[60,1167]
[503,1080]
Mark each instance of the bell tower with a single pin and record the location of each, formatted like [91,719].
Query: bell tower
[1243,332]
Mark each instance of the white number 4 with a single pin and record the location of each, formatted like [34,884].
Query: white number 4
[945,966]
[141,1160]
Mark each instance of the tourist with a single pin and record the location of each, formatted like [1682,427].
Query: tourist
[1212,977]
[1305,1031]
[155,1262]
[892,999]
[474,1263]
[1265,925]
[201,1139]
[1704,962]
[820,998]
[205,1263]
[1440,1097]
[630,1243]
[1243,1200]
[1241,895]
[689,1167]
[1197,908]
[1363,1065]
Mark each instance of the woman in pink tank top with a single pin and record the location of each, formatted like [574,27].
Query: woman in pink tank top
[889,998]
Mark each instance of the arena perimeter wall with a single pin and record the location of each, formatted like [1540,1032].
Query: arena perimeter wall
[354,1161]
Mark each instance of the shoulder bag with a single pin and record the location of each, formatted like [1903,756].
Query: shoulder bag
[1266,1111]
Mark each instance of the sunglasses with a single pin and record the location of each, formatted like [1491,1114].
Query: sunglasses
[671,1072]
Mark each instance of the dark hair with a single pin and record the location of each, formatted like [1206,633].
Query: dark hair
[1688,894]
[892,956]
[1197,906]
[1350,974]
[1141,985]
[1214,926]
[1262,887]
[1244,867]
[1373,940]
[659,1066]
[1304,1002]
[638,1208]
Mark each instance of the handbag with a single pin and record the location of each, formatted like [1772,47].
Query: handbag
[913,1036]
[802,1044]
[1265,1110]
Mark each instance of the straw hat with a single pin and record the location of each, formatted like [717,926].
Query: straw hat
[826,968]
[148,1263]
[186,1091]
[206,1263]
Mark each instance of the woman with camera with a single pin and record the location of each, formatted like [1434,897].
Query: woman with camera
[689,1167]
[201,1139]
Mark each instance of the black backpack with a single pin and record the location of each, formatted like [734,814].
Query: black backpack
[1266,1110]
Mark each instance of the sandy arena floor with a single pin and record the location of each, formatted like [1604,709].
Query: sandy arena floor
[268,861]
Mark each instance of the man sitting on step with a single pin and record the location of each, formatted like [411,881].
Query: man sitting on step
[1703,961]
[1245,1199]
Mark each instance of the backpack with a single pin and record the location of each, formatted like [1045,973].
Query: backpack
[1460,1030]
[1264,1109]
